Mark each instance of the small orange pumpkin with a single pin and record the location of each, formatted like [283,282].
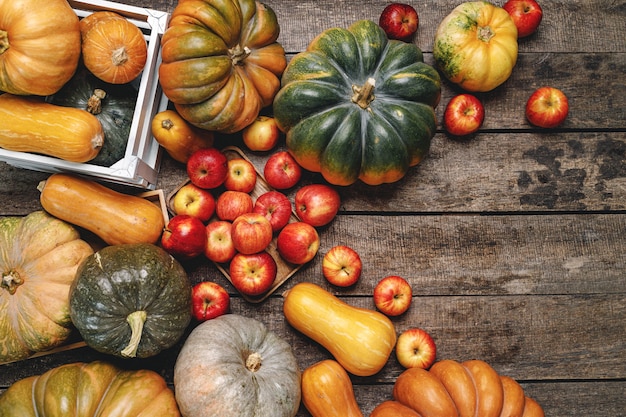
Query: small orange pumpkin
[113,48]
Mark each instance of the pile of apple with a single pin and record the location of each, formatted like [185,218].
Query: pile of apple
[221,214]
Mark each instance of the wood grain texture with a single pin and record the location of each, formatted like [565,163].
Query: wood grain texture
[513,239]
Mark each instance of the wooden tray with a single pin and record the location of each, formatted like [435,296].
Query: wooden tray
[284,269]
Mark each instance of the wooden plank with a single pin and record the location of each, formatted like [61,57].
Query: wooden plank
[523,172]
[593,399]
[492,172]
[560,29]
[526,337]
[573,26]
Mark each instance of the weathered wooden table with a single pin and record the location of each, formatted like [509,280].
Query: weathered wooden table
[513,239]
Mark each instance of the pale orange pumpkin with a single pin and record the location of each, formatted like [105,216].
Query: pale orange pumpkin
[113,48]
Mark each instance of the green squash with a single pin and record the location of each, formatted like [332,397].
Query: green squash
[131,300]
[114,110]
[89,390]
[356,105]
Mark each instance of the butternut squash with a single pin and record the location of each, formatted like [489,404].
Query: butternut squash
[361,340]
[327,391]
[392,408]
[422,391]
[115,217]
[28,124]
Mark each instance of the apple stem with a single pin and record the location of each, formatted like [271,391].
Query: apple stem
[364,95]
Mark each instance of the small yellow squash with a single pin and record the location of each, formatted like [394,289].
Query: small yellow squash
[115,217]
[360,339]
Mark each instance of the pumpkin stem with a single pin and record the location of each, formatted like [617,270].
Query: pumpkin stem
[4,41]
[253,362]
[11,281]
[238,54]
[94,103]
[484,33]
[119,56]
[364,95]
[136,321]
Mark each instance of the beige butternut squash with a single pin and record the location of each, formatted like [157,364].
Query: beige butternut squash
[360,339]
[28,124]
[115,217]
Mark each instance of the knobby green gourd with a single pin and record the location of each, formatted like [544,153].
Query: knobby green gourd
[131,300]
[356,105]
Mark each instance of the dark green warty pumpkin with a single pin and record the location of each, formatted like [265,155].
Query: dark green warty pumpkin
[131,300]
[113,105]
[356,105]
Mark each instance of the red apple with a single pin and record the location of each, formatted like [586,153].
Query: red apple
[399,21]
[232,204]
[464,115]
[415,348]
[262,134]
[298,243]
[276,207]
[282,171]
[393,295]
[241,175]
[209,300]
[207,168]
[317,204]
[219,243]
[253,274]
[342,266]
[251,233]
[194,201]
[547,107]
[184,236]
[526,15]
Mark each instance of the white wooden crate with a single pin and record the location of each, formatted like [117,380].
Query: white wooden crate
[140,165]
